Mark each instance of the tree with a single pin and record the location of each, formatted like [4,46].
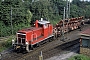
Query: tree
[21,16]
[28,16]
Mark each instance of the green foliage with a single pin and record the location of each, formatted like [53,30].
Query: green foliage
[6,43]
[83,8]
[22,12]
[15,11]
[76,11]
[79,57]
[46,9]
[28,16]
[4,30]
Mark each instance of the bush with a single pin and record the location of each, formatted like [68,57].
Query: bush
[79,57]
[7,31]
[6,43]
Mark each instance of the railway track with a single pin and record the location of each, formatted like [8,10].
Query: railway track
[71,51]
[49,49]
[33,55]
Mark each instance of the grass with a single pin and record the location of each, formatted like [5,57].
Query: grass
[79,57]
[6,44]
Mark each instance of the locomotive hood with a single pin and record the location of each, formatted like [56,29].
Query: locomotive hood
[24,31]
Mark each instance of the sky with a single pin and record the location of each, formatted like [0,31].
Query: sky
[81,0]
[70,0]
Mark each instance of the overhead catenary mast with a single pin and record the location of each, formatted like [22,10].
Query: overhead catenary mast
[63,23]
[67,10]
[11,21]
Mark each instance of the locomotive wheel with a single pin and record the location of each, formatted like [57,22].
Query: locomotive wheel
[38,44]
[31,47]
[50,39]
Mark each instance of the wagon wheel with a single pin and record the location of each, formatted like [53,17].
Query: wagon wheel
[55,33]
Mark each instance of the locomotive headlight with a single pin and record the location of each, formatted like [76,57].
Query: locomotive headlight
[13,42]
[59,31]
[34,24]
[26,43]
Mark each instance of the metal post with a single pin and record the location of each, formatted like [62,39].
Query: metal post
[11,21]
[64,14]
[1,31]
[41,53]
[41,56]
[67,10]
[63,23]
[0,56]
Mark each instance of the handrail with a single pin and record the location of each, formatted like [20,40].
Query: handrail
[32,37]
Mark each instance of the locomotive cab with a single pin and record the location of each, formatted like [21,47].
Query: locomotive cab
[21,38]
[20,42]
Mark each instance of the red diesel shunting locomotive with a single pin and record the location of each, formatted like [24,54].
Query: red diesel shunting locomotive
[43,30]
[26,38]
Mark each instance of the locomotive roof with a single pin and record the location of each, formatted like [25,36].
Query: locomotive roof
[43,22]
[86,32]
